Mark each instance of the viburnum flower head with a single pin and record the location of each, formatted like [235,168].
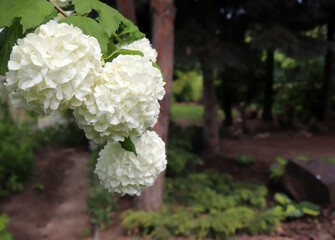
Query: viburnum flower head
[123,172]
[144,46]
[53,68]
[124,102]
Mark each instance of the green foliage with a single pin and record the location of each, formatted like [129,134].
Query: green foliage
[9,37]
[181,160]
[61,135]
[23,16]
[187,87]
[123,52]
[244,160]
[16,156]
[277,169]
[291,209]
[128,145]
[192,113]
[4,234]
[100,202]
[298,85]
[328,160]
[32,13]
[208,204]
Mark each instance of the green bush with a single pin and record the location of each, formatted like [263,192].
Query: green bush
[208,204]
[187,87]
[61,135]
[100,203]
[4,234]
[181,160]
[16,156]
[244,160]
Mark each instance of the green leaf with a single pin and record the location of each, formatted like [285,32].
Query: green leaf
[281,161]
[32,12]
[282,199]
[3,35]
[109,18]
[128,145]
[13,33]
[130,31]
[89,27]
[118,52]
[156,66]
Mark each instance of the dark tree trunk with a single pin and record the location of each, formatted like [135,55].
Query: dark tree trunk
[126,8]
[163,13]
[227,102]
[268,98]
[211,128]
[325,104]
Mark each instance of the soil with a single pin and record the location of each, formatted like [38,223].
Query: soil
[57,211]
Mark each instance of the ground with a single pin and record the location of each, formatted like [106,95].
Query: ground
[57,211]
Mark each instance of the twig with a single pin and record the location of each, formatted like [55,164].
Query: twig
[59,9]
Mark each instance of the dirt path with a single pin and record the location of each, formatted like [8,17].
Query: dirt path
[57,212]
[313,147]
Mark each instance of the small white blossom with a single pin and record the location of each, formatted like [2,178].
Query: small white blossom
[123,172]
[53,68]
[144,46]
[62,3]
[124,102]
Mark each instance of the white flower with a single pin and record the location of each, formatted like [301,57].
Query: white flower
[144,46]
[124,102]
[62,3]
[123,172]
[53,68]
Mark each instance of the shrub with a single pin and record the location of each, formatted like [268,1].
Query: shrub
[4,235]
[100,202]
[244,160]
[16,156]
[207,204]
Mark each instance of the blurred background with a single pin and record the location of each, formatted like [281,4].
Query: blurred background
[248,119]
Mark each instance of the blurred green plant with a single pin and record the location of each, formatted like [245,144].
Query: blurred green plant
[100,203]
[4,234]
[61,135]
[187,87]
[16,156]
[277,169]
[292,209]
[207,204]
[244,160]
[181,159]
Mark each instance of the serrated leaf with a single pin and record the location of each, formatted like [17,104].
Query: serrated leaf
[118,52]
[131,31]
[128,145]
[89,27]
[84,6]
[156,66]
[3,35]
[32,12]
[13,33]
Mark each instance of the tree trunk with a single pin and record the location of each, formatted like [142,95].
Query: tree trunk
[211,128]
[126,8]
[325,104]
[268,98]
[227,105]
[163,13]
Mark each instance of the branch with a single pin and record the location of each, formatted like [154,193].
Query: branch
[59,9]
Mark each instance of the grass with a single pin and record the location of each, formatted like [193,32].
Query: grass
[192,113]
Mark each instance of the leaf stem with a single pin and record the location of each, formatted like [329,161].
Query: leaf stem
[59,9]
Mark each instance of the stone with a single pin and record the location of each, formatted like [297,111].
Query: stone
[312,181]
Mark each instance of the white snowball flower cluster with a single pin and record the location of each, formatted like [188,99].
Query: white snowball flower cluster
[58,67]
[144,46]
[124,102]
[62,3]
[53,68]
[124,172]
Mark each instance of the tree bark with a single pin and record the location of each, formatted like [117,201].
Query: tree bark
[325,104]
[211,127]
[227,105]
[126,8]
[268,98]
[163,14]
